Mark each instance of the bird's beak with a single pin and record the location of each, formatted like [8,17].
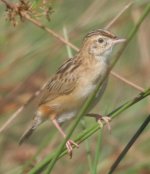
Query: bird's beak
[119,40]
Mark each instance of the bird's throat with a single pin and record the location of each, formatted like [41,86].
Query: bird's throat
[105,57]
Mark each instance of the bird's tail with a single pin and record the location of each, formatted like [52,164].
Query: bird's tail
[36,122]
[26,134]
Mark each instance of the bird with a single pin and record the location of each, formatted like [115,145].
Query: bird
[75,80]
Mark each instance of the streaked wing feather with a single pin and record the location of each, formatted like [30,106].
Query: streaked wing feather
[62,83]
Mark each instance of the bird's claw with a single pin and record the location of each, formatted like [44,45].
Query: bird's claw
[69,145]
[106,119]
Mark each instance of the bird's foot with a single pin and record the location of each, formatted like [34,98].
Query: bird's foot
[69,145]
[100,119]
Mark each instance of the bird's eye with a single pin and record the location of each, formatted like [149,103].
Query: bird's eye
[100,40]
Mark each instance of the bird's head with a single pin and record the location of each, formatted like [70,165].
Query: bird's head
[99,43]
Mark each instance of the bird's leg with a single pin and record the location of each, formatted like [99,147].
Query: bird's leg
[69,142]
[99,118]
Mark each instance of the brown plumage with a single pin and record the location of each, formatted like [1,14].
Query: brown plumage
[74,81]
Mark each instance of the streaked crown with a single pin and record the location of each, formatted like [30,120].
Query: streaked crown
[101,32]
[100,42]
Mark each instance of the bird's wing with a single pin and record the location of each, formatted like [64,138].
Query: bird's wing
[62,83]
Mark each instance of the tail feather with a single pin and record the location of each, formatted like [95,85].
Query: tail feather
[26,134]
[36,122]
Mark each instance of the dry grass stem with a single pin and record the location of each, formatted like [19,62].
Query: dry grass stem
[127,81]
[118,15]
[19,110]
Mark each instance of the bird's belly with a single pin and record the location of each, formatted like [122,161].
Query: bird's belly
[66,106]
[66,116]
[69,107]
[72,104]
[85,90]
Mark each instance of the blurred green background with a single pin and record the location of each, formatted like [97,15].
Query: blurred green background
[29,56]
